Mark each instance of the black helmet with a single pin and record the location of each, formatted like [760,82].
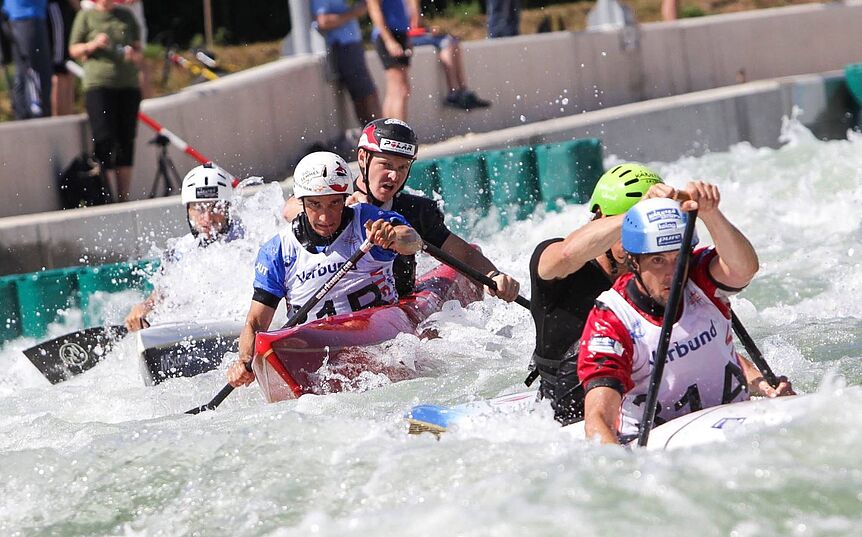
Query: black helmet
[391,136]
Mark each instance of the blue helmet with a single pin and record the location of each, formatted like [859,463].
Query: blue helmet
[654,226]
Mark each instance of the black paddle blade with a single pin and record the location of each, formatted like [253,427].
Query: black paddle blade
[66,356]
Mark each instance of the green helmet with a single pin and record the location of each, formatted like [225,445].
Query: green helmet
[621,187]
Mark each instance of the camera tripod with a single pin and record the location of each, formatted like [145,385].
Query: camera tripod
[165,170]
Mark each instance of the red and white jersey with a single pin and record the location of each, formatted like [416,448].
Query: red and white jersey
[702,370]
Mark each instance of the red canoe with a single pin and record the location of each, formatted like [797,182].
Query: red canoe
[298,360]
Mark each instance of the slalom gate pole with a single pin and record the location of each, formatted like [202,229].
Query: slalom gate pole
[192,68]
[175,140]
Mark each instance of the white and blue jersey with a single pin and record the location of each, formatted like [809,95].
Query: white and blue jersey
[286,269]
[178,248]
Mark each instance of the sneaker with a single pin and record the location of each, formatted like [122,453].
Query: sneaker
[471,100]
[454,99]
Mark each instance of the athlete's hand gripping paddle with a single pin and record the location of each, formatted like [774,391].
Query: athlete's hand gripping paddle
[296,318]
[680,275]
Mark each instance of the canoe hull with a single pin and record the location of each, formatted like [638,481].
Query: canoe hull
[326,355]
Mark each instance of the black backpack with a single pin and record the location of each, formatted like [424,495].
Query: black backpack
[82,184]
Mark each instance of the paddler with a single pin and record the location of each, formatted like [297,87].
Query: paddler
[386,151]
[618,345]
[294,264]
[206,195]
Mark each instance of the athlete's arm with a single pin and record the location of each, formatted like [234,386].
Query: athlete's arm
[605,355]
[601,409]
[757,384]
[138,315]
[507,287]
[736,262]
[580,247]
[588,242]
[258,319]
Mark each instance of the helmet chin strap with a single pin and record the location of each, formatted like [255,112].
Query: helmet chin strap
[651,304]
[615,266]
[374,201]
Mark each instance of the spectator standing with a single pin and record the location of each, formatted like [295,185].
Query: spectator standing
[451,57]
[31,91]
[504,16]
[107,39]
[338,23]
[391,25]
[61,13]
[137,9]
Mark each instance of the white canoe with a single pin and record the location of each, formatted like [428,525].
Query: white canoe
[716,424]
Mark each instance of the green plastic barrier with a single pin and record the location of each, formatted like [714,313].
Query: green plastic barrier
[568,171]
[514,182]
[41,295]
[464,187]
[106,279]
[424,177]
[853,76]
[10,324]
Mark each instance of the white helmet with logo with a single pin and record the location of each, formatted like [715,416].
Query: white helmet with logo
[207,182]
[320,174]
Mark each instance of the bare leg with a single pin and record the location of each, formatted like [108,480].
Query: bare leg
[124,182]
[453,66]
[63,95]
[144,82]
[367,108]
[669,9]
[397,93]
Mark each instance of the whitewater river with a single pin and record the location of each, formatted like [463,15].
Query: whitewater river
[104,455]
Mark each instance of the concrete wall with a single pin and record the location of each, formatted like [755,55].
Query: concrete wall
[660,129]
[261,121]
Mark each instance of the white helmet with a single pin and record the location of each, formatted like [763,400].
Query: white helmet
[320,174]
[207,182]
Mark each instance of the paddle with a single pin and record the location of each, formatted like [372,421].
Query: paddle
[295,319]
[66,356]
[673,301]
[467,270]
[753,351]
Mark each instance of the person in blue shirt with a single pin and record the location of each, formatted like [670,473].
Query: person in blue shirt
[31,92]
[297,262]
[391,26]
[338,23]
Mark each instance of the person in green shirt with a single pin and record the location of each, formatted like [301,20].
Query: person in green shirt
[107,41]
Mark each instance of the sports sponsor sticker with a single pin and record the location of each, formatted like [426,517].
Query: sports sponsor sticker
[669,240]
[666,225]
[663,214]
[393,121]
[387,144]
[605,345]
[206,192]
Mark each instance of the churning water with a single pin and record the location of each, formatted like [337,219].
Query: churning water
[102,454]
